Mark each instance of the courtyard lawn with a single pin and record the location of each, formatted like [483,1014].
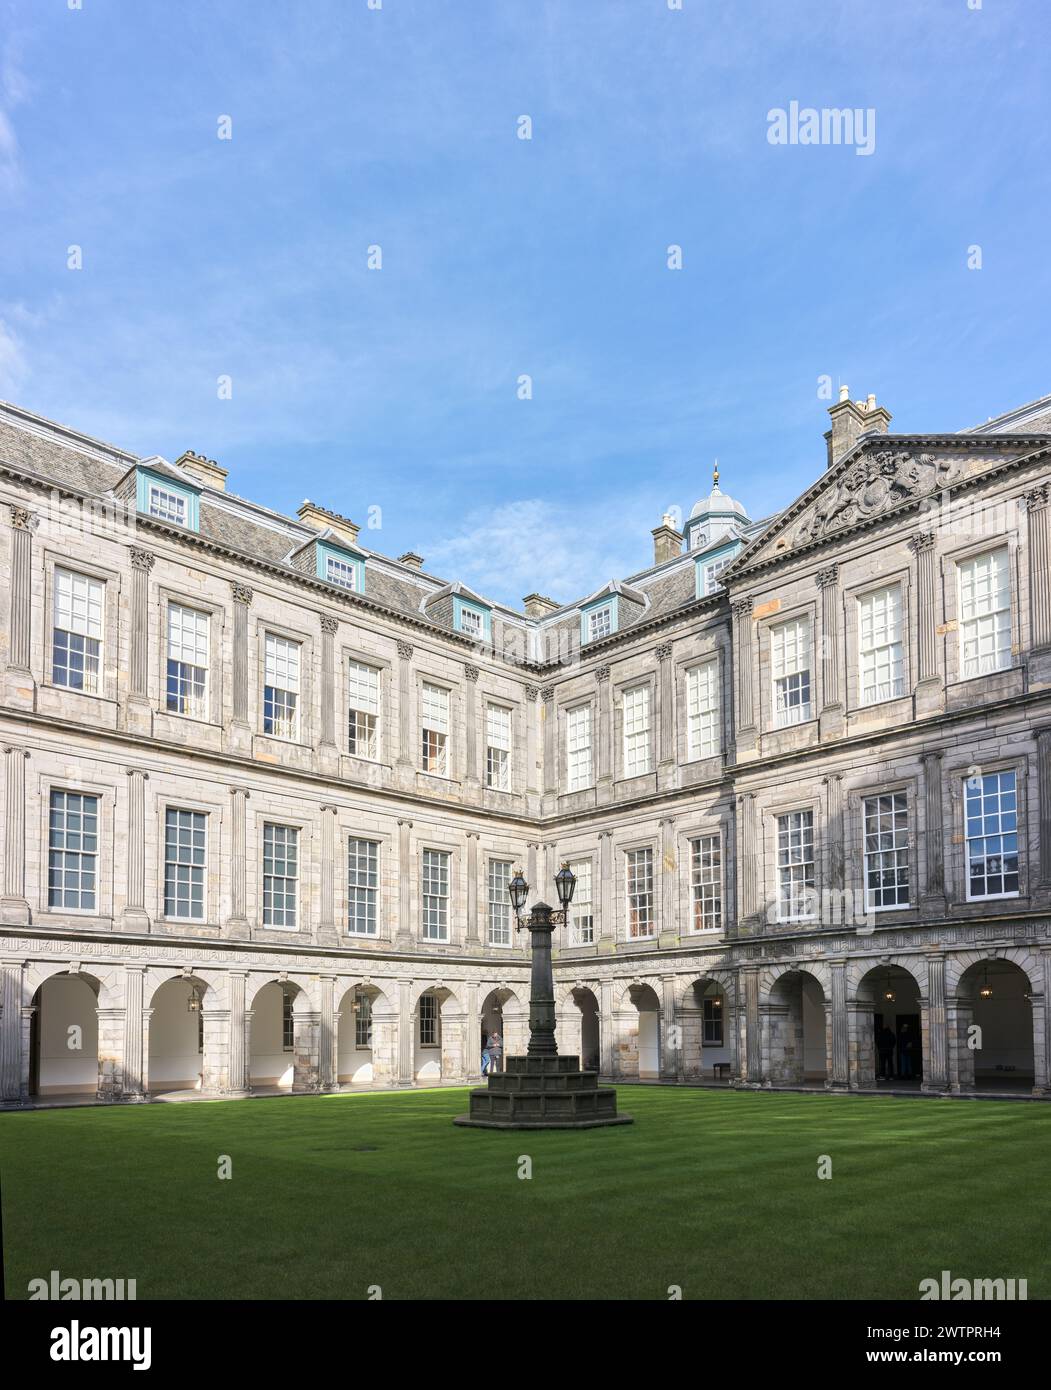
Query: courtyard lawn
[716,1191]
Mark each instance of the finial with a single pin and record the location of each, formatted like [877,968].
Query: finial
[715,473]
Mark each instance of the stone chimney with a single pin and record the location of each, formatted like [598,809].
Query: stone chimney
[667,542]
[850,420]
[206,471]
[410,558]
[310,514]
[537,606]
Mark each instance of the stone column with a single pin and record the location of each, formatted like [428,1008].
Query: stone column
[933,899]
[1043,777]
[14,906]
[671,1033]
[406,746]
[306,1053]
[547,715]
[936,1061]
[405,935]
[839,1063]
[606,1028]
[831,675]
[749,866]
[1037,515]
[1046,957]
[473,1041]
[929,693]
[240,733]
[215,1061]
[139,714]
[328,1079]
[666,695]
[475,773]
[328,934]
[240,1020]
[328,750]
[135,917]
[670,926]
[19,685]
[112,1023]
[237,923]
[473,938]
[532,870]
[742,620]
[604,734]
[834,830]
[406,1029]
[13,1087]
[752,1068]
[134,1081]
[607,933]
[532,694]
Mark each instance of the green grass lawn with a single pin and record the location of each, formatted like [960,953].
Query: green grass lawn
[716,1191]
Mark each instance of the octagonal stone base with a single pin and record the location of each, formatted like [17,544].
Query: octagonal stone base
[543,1093]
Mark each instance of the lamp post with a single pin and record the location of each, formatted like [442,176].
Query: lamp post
[542,1090]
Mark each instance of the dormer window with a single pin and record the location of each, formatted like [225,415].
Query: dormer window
[471,622]
[339,566]
[166,499]
[341,572]
[598,621]
[472,619]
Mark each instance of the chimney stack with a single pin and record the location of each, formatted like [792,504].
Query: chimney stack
[667,542]
[410,558]
[206,471]
[850,420]
[310,514]
[537,606]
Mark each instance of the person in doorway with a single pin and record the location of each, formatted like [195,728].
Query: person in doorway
[906,1043]
[487,1060]
[496,1049]
[885,1041]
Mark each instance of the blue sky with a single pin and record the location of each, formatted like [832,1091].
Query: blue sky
[397,388]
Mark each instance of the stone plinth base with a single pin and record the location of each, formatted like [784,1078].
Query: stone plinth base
[543,1093]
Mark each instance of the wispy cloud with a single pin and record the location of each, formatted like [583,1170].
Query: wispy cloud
[13,368]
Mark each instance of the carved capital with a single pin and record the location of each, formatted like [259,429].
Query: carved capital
[921,541]
[826,578]
[662,652]
[405,651]
[548,693]
[471,672]
[21,519]
[329,625]
[137,772]
[741,608]
[240,791]
[243,594]
[142,559]
[531,692]
[602,673]
[1036,498]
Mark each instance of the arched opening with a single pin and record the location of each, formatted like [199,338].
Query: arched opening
[796,1041]
[995,1027]
[638,1041]
[64,1037]
[358,1037]
[272,1055]
[590,1053]
[887,1029]
[439,1045]
[176,1052]
[707,1045]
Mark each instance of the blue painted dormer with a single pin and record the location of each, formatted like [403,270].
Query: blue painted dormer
[709,566]
[598,619]
[340,565]
[472,619]
[167,499]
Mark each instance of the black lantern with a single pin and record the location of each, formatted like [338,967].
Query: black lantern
[565,882]
[519,891]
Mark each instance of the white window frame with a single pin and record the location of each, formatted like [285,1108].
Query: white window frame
[79,849]
[582,908]
[499,930]
[791,671]
[166,505]
[434,729]
[363,886]
[796,863]
[429,1012]
[579,758]
[364,703]
[983,599]
[283,676]
[881,651]
[640,892]
[191,693]
[498,747]
[185,864]
[79,614]
[600,622]
[278,883]
[886,848]
[989,808]
[702,710]
[637,716]
[706,883]
[435,893]
[342,573]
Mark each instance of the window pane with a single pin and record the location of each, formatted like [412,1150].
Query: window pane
[362,886]
[499,903]
[73,848]
[185,846]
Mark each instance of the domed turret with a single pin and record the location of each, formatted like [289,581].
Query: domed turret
[714,516]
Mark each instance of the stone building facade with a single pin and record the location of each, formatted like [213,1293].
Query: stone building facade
[263,787]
